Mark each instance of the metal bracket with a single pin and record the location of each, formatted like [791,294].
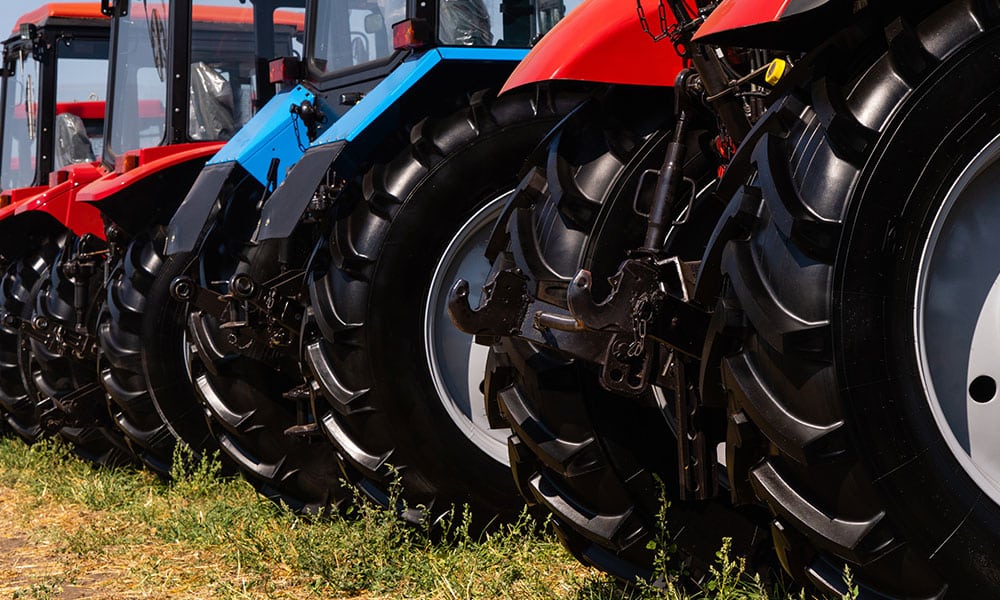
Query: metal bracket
[501,310]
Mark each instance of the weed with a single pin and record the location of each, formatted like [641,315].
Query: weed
[205,535]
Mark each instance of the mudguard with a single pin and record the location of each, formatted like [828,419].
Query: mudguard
[273,133]
[149,162]
[57,201]
[283,210]
[146,184]
[774,24]
[601,41]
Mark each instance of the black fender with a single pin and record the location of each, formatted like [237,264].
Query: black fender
[283,210]
[189,223]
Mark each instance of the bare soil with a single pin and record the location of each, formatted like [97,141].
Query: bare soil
[31,566]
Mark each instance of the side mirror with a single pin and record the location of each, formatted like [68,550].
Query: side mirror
[374,23]
[28,32]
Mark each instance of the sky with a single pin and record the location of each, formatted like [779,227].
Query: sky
[10,10]
[84,81]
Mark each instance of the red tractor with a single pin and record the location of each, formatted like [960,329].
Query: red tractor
[779,307]
[172,105]
[54,77]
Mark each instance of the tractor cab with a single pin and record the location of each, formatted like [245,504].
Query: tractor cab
[54,76]
[186,76]
[367,68]
[352,45]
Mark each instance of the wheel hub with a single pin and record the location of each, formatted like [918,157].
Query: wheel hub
[456,363]
[958,319]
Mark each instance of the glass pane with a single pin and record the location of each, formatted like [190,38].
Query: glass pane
[139,97]
[20,144]
[223,70]
[511,23]
[222,65]
[81,85]
[353,32]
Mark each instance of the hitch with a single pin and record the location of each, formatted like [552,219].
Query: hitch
[256,318]
[56,338]
[504,303]
[304,397]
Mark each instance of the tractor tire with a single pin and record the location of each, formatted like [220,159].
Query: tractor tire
[69,382]
[857,265]
[601,463]
[121,368]
[245,393]
[402,384]
[22,408]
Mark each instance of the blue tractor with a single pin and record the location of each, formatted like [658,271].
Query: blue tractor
[301,288]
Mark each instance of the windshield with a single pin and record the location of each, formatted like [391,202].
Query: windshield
[20,120]
[511,23]
[349,33]
[139,97]
[81,84]
[223,69]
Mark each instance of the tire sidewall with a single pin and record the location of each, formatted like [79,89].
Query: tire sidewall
[932,500]
[432,213]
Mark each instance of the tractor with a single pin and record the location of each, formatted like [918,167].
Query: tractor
[784,316]
[303,292]
[159,132]
[54,78]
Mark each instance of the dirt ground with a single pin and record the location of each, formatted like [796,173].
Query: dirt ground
[33,568]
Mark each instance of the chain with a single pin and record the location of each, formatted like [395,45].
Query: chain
[295,129]
[661,10]
[640,321]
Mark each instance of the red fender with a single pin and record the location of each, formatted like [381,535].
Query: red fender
[775,24]
[601,41]
[737,14]
[56,200]
[136,165]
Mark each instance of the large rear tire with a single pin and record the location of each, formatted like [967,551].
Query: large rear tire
[121,368]
[22,281]
[65,379]
[403,385]
[601,463]
[862,274]
[251,391]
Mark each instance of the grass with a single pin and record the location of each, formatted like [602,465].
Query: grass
[124,533]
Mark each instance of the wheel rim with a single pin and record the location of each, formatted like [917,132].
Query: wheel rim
[456,363]
[958,319]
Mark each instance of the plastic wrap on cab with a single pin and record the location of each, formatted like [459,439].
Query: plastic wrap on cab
[465,23]
[72,143]
[211,104]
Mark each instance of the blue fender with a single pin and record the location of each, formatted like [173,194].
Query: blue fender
[273,133]
[374,116]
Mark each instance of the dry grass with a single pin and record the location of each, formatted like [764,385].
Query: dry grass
[70,531]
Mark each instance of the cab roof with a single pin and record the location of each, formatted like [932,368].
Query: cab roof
[61,10]
[203,14]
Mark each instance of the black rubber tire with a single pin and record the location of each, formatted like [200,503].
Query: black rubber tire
[820,253]
[22,408]
[370,358]
[593,458]
[121,368]
[242,392]
[70,382]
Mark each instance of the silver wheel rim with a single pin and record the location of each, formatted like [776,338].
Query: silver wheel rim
[457,365]
[958,319]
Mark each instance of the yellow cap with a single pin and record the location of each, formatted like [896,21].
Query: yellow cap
[775,71]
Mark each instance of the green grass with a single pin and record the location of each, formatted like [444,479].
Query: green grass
[124,531]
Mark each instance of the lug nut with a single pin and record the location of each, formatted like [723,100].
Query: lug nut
[242,285]
[182,289]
